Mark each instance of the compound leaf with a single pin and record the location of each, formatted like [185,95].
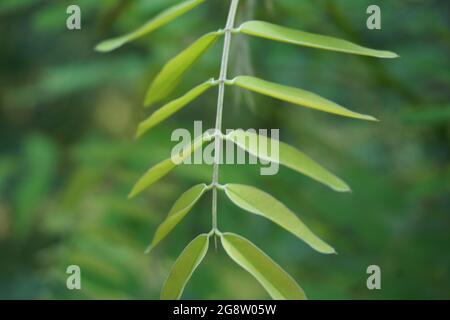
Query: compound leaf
[296,96]
[163,168]
[278,33]
[160,20]
[171,74]
[263,204]
[287,156]
[184,267]
[172,107]
[270,275]
[179,210]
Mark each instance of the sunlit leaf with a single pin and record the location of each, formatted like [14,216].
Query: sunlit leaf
[278,33]
[160,20]
[163,168]
[261,203]
[270,275]
[171,74]
[287,156]
[184,267]
[179,210]
[296,96]
[172,107]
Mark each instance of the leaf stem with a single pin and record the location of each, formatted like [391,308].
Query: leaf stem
[220,101]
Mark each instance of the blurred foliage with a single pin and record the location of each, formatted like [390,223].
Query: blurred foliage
[68,158]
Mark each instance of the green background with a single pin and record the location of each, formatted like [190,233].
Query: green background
[68,157]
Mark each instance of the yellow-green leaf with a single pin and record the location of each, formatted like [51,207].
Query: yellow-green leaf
[270,275]
[179,210]
[171,74]
[278,33]
[296,96]
[172,107]
[287,156]
[184,267]
[261,203]
[160,20]
[163,168]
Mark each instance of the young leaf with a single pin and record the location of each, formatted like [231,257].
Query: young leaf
[263,204]
[184,267]
[160,20]
[288,156]
[278,33]
[171,74]
[179,210]
[163,168]
[270,275]
[172,107]
[296,96]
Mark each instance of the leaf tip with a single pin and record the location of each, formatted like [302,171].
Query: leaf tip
[139,132]
[395,55]
[371,118]
[109,45]
[100,47]
[148,102]
[132,194]
[149,249]
[390,55]
[343,188]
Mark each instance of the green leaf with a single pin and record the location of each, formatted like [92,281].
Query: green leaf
[172,107]
[163,168]
[160,20]
[172,73]
[296,96]
[179,210]
[270,275]
[287,156]
[263,204]
[184,267]
[278,33]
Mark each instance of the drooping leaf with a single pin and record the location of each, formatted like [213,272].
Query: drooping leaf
[179,210]
[172,107]
[279,33]
[160,20]
[184,267]
[163,168]
[287,156]
[297,96]
[171,74]
[270,275]
[261,203]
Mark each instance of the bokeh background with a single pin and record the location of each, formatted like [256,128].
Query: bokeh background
[68,157]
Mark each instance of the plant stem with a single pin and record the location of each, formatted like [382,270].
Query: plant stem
[222,78]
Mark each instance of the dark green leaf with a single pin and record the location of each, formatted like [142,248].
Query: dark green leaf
[270,275]
[184,267]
